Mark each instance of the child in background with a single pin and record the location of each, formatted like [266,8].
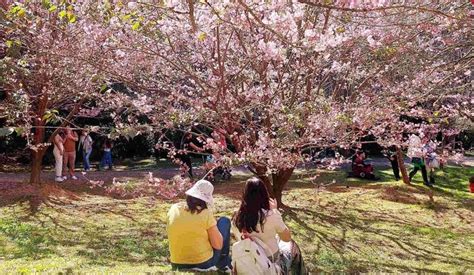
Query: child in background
[107,156]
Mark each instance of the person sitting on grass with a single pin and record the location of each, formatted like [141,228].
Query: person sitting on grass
[259,217]
[360,168]
[196,240]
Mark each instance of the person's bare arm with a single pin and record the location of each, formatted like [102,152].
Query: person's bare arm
[215,237]
[74,137]
[58,141]
[285,235]
[195,147]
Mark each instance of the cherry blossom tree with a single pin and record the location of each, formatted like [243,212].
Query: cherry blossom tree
[279,77]
[49,63]
[287,75]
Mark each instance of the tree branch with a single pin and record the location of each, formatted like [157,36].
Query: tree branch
[376,9]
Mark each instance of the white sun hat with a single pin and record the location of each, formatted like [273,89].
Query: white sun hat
[202,190]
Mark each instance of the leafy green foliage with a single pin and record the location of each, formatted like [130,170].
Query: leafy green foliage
[51,116]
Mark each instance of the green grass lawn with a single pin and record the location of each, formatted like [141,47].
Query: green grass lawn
[345,225]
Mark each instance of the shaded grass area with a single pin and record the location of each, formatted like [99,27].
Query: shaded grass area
[128,164]
[151,164]
[342,225]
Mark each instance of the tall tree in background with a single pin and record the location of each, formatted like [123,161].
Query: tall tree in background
[48,65]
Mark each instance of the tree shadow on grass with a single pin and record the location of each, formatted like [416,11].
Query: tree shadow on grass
[343,222]
[35,195]
[51,194]
[406,194]
[452,184]
[454,178]
[103,233]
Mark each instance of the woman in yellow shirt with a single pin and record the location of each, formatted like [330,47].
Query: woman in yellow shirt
[196,239]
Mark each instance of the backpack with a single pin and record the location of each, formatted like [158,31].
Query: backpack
[249,257]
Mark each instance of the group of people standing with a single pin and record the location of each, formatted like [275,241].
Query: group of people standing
[422,152]
[198,241]
[64,151]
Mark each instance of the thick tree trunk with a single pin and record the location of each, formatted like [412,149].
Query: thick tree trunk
[261,173]
[36,165]
[280,180]
[39,139]
[37,152]
[401,165]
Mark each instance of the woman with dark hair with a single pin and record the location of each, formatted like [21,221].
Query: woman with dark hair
[258,217]
[196,240]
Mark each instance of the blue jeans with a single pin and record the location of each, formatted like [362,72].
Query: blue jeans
[106,159]
[85,157]
[220,258]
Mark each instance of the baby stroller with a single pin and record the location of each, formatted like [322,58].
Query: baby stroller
[219,173]
[222,173]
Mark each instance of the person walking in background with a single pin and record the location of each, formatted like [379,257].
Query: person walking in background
[431,158]
[107,156]
[85,143]
[219,172]
[415,152]
[69,156]
[188,146]
[391,154]
[58,153]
